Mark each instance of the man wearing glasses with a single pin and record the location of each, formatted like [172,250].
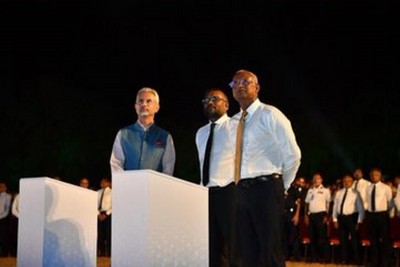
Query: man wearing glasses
[216,156]
[266,161]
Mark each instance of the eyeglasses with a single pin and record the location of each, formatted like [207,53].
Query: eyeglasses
[212,99]
[235,83]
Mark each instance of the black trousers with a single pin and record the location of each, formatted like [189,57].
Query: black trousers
[223,250]
[104,237]
[291,237]
[260,224]
[318,236]
[349,238]
[378,229]
[4,241]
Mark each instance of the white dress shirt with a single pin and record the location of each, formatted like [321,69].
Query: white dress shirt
[222,152]
[15,206]
[5,204]
[361,185]
[383,197]
[397,199]
[352,204]
[318,199]
[269,143]
[106,201]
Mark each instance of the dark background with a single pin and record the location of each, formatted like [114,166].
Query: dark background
[70,71]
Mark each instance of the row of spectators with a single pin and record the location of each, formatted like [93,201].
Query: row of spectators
[353,208]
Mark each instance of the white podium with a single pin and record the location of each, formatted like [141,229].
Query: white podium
[158,220]
[57,224]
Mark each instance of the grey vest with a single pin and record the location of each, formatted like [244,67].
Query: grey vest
[143,149]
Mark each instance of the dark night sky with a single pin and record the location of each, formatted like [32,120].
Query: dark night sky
[70,71]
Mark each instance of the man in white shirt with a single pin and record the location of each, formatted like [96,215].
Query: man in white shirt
[217,175]
[379,197]
[316,217]
[397,199]
[5,205]
[104,218]
[361,185]
[347,214]
[266,161]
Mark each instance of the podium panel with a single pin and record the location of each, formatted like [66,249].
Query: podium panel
[158,220]
[57,224]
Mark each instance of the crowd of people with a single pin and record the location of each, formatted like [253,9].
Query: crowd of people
[351,210]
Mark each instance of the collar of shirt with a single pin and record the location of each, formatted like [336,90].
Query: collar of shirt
[252,108]
[144,127]
[319,187]
[222,155]
[222,119]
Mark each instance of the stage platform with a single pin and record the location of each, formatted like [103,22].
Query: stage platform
[12,262]
[106,262]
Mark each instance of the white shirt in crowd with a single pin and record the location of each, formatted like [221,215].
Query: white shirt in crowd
[361,186]
[106,201]
[15,206]
[383,197]
[353,203]
[397,199]
[5,203]
[318,199]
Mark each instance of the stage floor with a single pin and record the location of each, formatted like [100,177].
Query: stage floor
[106,262]
[12,262]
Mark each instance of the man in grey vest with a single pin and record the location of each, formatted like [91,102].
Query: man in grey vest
[144,145]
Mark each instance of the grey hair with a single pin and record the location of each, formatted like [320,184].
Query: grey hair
[149,90]
[247,71]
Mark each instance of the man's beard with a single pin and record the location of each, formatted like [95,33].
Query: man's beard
[212,113]
[144,113]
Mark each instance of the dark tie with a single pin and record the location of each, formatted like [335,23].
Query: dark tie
[101,199]
[206,162]
[238,150]
[373,198]
[356,184]
[343,200]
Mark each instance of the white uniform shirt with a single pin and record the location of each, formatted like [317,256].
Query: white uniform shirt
[383,197]
[318,199]
[352,204]
[361,186]
[269,143]
[222,152]
[5,203]
[106,201]
[397,199]
[15,206]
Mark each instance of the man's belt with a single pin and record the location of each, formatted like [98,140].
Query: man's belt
[249,182]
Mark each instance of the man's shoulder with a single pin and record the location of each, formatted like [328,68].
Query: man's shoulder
[6,194]
[385,185]
[159,129]
[202,129]
[129,127]
[364,181]
[269,110]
